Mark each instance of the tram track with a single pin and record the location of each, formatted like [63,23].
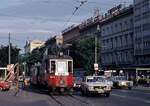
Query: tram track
[80,100]
[62,100]
[68,100]
[57,101]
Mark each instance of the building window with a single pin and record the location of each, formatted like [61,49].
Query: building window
[116,26]
[146,15]
[126,39]
[112,43]
[104,31]
[120,26]
[103,44]
[112,30]
[116,41]
[146,26]
[137,29]
[120,41]
[137,18]
[107,43]
[131,36]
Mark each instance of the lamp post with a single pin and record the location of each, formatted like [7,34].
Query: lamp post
[24,71]
[96,39]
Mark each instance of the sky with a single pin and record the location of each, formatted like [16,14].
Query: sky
[41,19]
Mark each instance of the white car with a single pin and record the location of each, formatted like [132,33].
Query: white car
[121,81]
[95,84]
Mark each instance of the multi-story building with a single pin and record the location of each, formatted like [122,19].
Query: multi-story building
[71,34]
[31,45]
[142,32]
[117,39]
[89,27]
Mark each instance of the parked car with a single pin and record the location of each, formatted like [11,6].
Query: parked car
[4,85]
[95,84]
[121,81]
[77,83]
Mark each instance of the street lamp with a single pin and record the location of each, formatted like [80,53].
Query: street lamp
[24,71]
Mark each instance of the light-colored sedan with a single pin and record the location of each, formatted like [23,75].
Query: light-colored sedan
[95,84]
[121,81]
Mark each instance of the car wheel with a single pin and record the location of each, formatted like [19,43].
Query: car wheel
[1,89]
[129,88]
[107,94]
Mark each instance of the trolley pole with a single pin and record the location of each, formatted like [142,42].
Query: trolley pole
[9,52]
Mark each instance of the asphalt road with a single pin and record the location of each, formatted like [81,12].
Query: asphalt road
[35,97]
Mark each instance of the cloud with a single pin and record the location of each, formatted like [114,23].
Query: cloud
[40,31]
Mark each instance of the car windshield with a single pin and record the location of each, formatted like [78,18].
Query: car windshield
[96,79]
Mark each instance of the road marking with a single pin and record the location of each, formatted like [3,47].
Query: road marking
[119,95]
[134,98]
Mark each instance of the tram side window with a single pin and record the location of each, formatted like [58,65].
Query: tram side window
[53,67]
[70,66]
[47,66]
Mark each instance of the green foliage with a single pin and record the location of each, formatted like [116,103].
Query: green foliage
[32,58]
[4,55]
[85,53]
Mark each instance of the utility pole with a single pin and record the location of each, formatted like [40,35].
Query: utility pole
[9,51]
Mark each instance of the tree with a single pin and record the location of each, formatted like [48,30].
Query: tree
[4,55]
[33,57]
[85,53]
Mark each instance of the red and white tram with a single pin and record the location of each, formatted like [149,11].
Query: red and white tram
[55,73]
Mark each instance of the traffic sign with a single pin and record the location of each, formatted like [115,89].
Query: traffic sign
[95,66]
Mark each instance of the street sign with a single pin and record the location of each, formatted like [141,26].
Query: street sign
[95,66]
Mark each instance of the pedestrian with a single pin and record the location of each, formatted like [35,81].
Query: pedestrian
[148,81]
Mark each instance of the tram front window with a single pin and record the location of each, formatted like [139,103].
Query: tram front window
[61,67]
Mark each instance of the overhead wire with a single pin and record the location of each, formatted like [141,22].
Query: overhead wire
[76,9]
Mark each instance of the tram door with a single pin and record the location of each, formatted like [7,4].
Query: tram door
[52,72]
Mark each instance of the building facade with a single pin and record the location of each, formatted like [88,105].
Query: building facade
[89,27]
[31,45]
[118,40]
[142,32]
[71,34]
